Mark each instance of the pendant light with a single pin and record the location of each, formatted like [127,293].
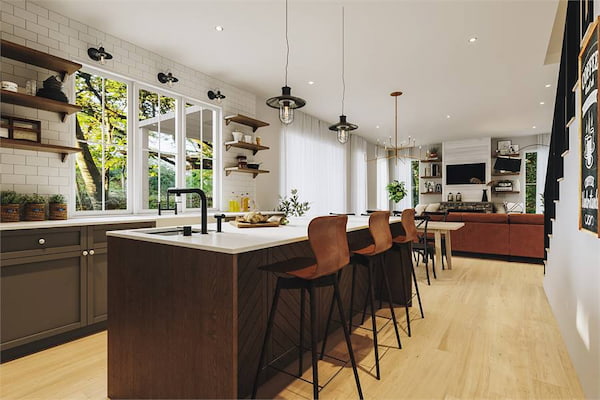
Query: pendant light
[286,103]
[343,127]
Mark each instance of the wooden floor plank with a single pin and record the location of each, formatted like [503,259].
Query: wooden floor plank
[488,332]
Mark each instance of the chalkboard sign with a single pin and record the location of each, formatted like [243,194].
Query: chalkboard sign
[588,132]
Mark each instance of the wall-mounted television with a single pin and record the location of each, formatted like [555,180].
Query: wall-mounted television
[508,164]
[464,174]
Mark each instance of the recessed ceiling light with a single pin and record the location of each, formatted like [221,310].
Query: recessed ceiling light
[448,116]
[219,28]
[473,39]
[548,85]
[542,103]
[311,82]
[377,126]
[533,127]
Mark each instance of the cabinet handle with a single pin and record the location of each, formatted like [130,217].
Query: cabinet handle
[85,253]
[91,252]
[42,241]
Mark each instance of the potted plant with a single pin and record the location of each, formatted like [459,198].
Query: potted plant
[10,206]
[292,207]
[57,206]
[396,191]
[34,207]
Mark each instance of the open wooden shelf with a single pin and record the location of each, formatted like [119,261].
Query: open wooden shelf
[248,146]
[41,103]
[245,120]
[431,177]
[506,191]
[39,59]
[506,174]
[431,192]
[437,160]
[64,151]
[506,155]
[254,172]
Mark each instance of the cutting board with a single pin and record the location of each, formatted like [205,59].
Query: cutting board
[239,224]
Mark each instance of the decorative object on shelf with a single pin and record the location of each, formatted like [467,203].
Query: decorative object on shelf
[504,147]
[52,89]
[58,207]
[286,103]
[484,197]
[343,127]
[589,132]
[34,206]
[218,96]
[22,129]
[242,161]
[10,86]
[31,87]
[513,149]
[99,54]
[237,136]
[450,197]
[258,140]
[458,197]
[11,205]
[292,207]
[438,188]
[396,190]
[167,78]
[248,138]
[432,153]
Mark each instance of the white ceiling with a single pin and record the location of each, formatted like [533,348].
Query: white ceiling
[492,87]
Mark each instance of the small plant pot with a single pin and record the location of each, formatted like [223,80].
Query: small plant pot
[10,212]
[35,212]
[58,211]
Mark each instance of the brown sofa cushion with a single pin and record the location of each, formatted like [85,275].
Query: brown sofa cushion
[530,219]
[527,240]
[454,217]
[485,218]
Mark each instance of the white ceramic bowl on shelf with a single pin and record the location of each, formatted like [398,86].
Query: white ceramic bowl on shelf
[237,136]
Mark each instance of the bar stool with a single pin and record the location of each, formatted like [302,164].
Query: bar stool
[329,242]
[370,257]
[400,242]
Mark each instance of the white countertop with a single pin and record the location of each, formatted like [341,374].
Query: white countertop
[115,219]
[238,240]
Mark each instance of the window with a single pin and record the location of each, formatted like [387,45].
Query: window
[530,182]
[101,134]
[199,154]
[415,182]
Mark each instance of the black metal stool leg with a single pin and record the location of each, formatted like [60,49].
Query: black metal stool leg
[414,276]
[313,340]
[389,295]
[351,317]
[426,262]
[433,265]
[406,297]
[329,316]
[336,294]
[373,321]
[271,319]
[301,342]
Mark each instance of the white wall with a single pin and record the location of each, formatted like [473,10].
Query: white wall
[31,25]
[572,281]
[269,186]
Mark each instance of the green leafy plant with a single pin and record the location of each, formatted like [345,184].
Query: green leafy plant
[33,199]
[9,197]
[396,191]
[292,207]
[57,199]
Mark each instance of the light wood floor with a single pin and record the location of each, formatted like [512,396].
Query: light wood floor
[488,332]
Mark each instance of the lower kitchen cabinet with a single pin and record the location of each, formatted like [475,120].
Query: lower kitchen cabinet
[53,281]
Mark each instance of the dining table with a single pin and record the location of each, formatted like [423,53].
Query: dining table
[442,229]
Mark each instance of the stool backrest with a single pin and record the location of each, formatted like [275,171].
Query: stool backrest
[379,226]
[408,223]
[329,242]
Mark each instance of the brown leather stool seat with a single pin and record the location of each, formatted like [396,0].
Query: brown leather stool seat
[329,242]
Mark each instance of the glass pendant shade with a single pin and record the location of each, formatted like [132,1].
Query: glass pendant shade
[286,104]
[343,129]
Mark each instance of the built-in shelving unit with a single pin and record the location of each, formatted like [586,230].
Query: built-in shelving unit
[431,177]
[436,160]
[254,172]
[30,56]
[40,103]
[244,145]
[245,120]
[431,192]
[506,155]
[64,151]
[505,191]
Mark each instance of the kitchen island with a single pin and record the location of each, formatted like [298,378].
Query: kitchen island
[188,314]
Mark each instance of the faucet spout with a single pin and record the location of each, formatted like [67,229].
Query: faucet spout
[203,202]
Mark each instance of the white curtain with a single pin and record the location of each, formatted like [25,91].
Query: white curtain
[315,164]
[402,172]
[358,174]
[383,178]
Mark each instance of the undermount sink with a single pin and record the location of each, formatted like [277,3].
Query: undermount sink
[174,232]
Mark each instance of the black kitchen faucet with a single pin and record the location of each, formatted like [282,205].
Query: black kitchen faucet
[178,192]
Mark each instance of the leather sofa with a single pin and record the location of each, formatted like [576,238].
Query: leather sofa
[520,235]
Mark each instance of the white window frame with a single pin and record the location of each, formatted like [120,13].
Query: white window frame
[134,146]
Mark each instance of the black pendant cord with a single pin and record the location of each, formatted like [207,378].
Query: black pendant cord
[287,43]
[343,61]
